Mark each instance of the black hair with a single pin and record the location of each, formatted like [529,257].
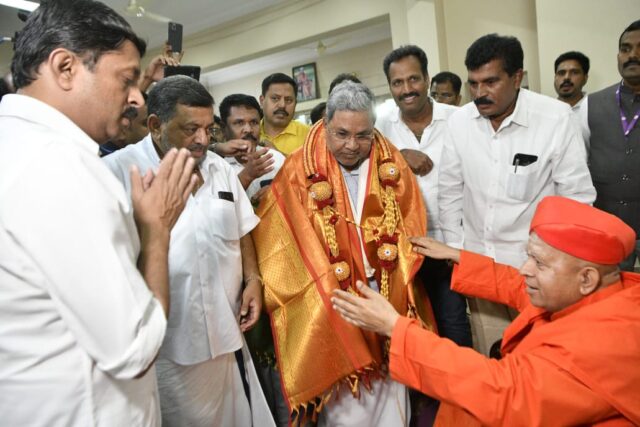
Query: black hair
[342,77]
[403,52]
[580,57]
[278,78]
[85,27]
[171,91]
[237,100]
[492,46]
[448,76]
[217,120]
[318,112]
[4,88]
[634,26]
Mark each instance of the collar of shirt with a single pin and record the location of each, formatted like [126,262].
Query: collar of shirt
[520,115]
[437,114]
[291,129]
[582,100]
[208,164]
[36,111]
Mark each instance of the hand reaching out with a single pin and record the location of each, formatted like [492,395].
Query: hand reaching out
[434,249]
[371,311]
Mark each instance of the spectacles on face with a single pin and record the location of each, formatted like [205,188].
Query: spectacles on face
[344,136]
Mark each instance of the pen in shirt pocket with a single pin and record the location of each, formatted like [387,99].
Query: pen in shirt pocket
[521,159]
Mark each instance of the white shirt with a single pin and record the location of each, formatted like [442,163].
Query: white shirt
[205,262]
[581,116]
[78,322]
[255,186]
[484,200]
[433,139]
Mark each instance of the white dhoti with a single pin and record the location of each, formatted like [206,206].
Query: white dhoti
[386,405]
[211,394]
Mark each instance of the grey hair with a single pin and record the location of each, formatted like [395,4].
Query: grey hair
[351,96]
[171,91]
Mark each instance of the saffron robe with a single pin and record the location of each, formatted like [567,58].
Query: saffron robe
[316,349]
[578,366]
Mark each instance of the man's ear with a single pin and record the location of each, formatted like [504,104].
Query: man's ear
[64,67]
[262,101]
[518,77]
[154,125]
[589,278]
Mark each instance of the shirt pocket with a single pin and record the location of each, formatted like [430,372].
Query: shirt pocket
[222,218]
[521,182]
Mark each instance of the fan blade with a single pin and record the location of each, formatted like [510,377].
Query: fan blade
[156,17]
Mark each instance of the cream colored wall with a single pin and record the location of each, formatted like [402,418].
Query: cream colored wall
[465,21]
[589,26]
[6,53]
[365,62]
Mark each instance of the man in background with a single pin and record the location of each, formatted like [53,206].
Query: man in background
[80,327]
[445,88]
[614,143]
[278,101]
[417,126]
[571,74]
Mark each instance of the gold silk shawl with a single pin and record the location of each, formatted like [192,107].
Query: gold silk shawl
[316,349]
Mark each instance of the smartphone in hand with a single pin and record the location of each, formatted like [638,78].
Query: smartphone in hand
[175,37]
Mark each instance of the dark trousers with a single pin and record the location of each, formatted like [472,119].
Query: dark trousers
[449,307]
[450,311]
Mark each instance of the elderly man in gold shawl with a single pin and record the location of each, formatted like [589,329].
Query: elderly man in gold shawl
[340,210]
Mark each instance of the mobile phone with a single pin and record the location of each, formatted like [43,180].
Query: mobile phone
[175,36]
[521,159]
[185,70]
[265,182]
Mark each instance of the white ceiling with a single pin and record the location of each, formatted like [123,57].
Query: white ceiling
[199,15]
[307,52]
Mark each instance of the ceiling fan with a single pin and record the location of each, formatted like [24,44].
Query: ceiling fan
[322,47]
[135,10]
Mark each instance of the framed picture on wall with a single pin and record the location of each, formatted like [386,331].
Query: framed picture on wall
[307,80]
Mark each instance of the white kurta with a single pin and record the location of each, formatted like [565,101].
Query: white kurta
[78,323]
[205,269]
[433,139]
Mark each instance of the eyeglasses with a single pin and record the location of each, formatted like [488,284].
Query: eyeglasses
[344,136]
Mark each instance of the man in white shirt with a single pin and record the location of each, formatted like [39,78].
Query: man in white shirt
[240,115]
[417,127]
[211,255]
[80,328]
[571,74]
[510,148]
